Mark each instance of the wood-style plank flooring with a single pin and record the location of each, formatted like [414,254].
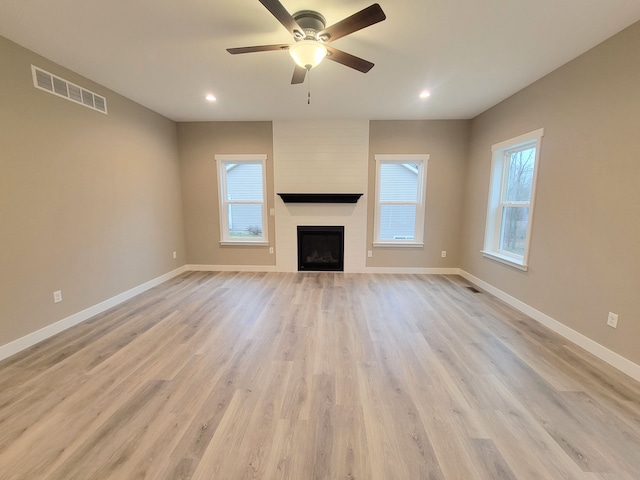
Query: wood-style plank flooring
[306,376]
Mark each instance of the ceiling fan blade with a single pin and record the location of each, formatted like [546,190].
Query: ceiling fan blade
[364,18]
[284,17]
[259,48]
[299,73]
[349,60]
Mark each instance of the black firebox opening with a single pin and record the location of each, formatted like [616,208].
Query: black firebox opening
[321,248]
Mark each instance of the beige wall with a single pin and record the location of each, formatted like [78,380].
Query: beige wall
[199,142]
[585,250]
[446,142]
[90,204]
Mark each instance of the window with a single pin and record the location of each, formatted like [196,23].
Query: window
[242,187]
[400,194]
[511,194]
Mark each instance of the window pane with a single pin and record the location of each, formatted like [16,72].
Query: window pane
[245,221]
[520,179]
[398,181]
[514,229]
[244,181]
[397,222]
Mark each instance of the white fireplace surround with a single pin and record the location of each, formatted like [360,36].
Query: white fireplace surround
[321,157]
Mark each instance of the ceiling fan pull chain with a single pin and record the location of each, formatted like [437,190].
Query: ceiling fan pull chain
[309,87]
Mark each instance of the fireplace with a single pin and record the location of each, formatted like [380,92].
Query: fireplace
[321,248]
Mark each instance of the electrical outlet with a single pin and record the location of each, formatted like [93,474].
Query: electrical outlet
[271,250]
[612,320]
[443,253]
[369,253]
[57,296]
[175,254]
[272,212]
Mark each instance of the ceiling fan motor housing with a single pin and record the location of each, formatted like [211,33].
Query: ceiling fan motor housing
[311,22]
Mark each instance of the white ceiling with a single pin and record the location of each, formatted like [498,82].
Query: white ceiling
[167,54]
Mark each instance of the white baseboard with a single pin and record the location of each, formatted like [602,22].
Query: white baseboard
[231,268]
[412,270]
[50,330]
[603,353]
[274,268]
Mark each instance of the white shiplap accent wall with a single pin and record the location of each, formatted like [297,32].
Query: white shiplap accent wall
[321,157]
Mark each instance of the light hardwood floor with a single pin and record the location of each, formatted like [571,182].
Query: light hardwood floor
[305,376]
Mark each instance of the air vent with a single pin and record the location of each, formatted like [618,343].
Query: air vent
[63,88]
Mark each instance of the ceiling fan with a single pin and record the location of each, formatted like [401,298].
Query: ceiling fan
[312,36]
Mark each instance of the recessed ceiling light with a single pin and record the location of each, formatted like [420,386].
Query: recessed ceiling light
[425,94]
[210,98]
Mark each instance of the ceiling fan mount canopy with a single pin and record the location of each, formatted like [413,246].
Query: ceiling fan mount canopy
[311,23]
[310,33]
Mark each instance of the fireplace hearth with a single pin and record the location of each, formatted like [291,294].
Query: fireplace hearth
[321,248]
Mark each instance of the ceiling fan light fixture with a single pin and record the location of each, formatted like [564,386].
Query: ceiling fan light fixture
[308,53]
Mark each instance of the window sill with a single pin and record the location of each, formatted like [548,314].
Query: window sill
[244,243]
[506,260]
[398,244]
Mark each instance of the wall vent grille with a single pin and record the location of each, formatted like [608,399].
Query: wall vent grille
[63,88]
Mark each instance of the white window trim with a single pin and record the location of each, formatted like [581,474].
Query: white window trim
[418,238]
[222,161]
[491,248]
